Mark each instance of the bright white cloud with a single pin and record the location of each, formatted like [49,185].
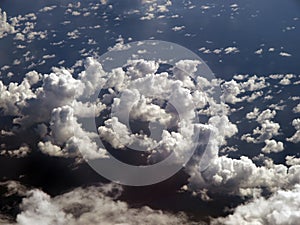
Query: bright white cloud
[296,137]
[5,27]
[272,146]
[280,209]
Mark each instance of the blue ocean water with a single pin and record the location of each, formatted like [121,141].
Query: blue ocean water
[249,26]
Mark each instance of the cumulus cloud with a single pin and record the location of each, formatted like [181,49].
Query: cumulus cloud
[266,131]
[281,208]
[13,97]
[48,8]
[231,89]
[286,79]
[253,115]
[91,205]
[54,103]
[272,146]
[242,177]
[265,115]
[5,27]
[153,8]
[285,54]
[296,137]
[230,50]
[120,45]
[66,131]
[21,152]
[297,109]
[142,96]
[292,160]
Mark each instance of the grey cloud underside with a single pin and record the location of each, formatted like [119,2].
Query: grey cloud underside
[90,205]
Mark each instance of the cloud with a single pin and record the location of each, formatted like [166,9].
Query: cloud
[285,54]
[272,146]
[286,79]
[13,97]
[154,8]
[265,115]
[119,46]
[259,51]
[139,68]
[296,137]
[266,131]
[297,109]
[58,89]
[231,89]
[91,205]
[279,209]
[13,188]
[48,8]
[254,114]
[242,177]
[292,160]
[230,50]
[21,152]
[54,103]
[254,83]
[178,28]
[66,131]
[5,27]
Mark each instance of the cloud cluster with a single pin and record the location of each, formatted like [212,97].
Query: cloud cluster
[48,103]
[235,90]
[265,132]
[154,8]
[242,177]
[280,209]
[91,205]
[55,102]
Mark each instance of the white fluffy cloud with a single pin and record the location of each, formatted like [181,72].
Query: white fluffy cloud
[5,27]
[296,137]
[66,131]
[54,102]
[13,97]
[292,160]
[58,89]
[231,89]
[266,131]
[272,146]
[253,115]
[243,177]
[60,100]
[280,209]
[230,50]
[265,115]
